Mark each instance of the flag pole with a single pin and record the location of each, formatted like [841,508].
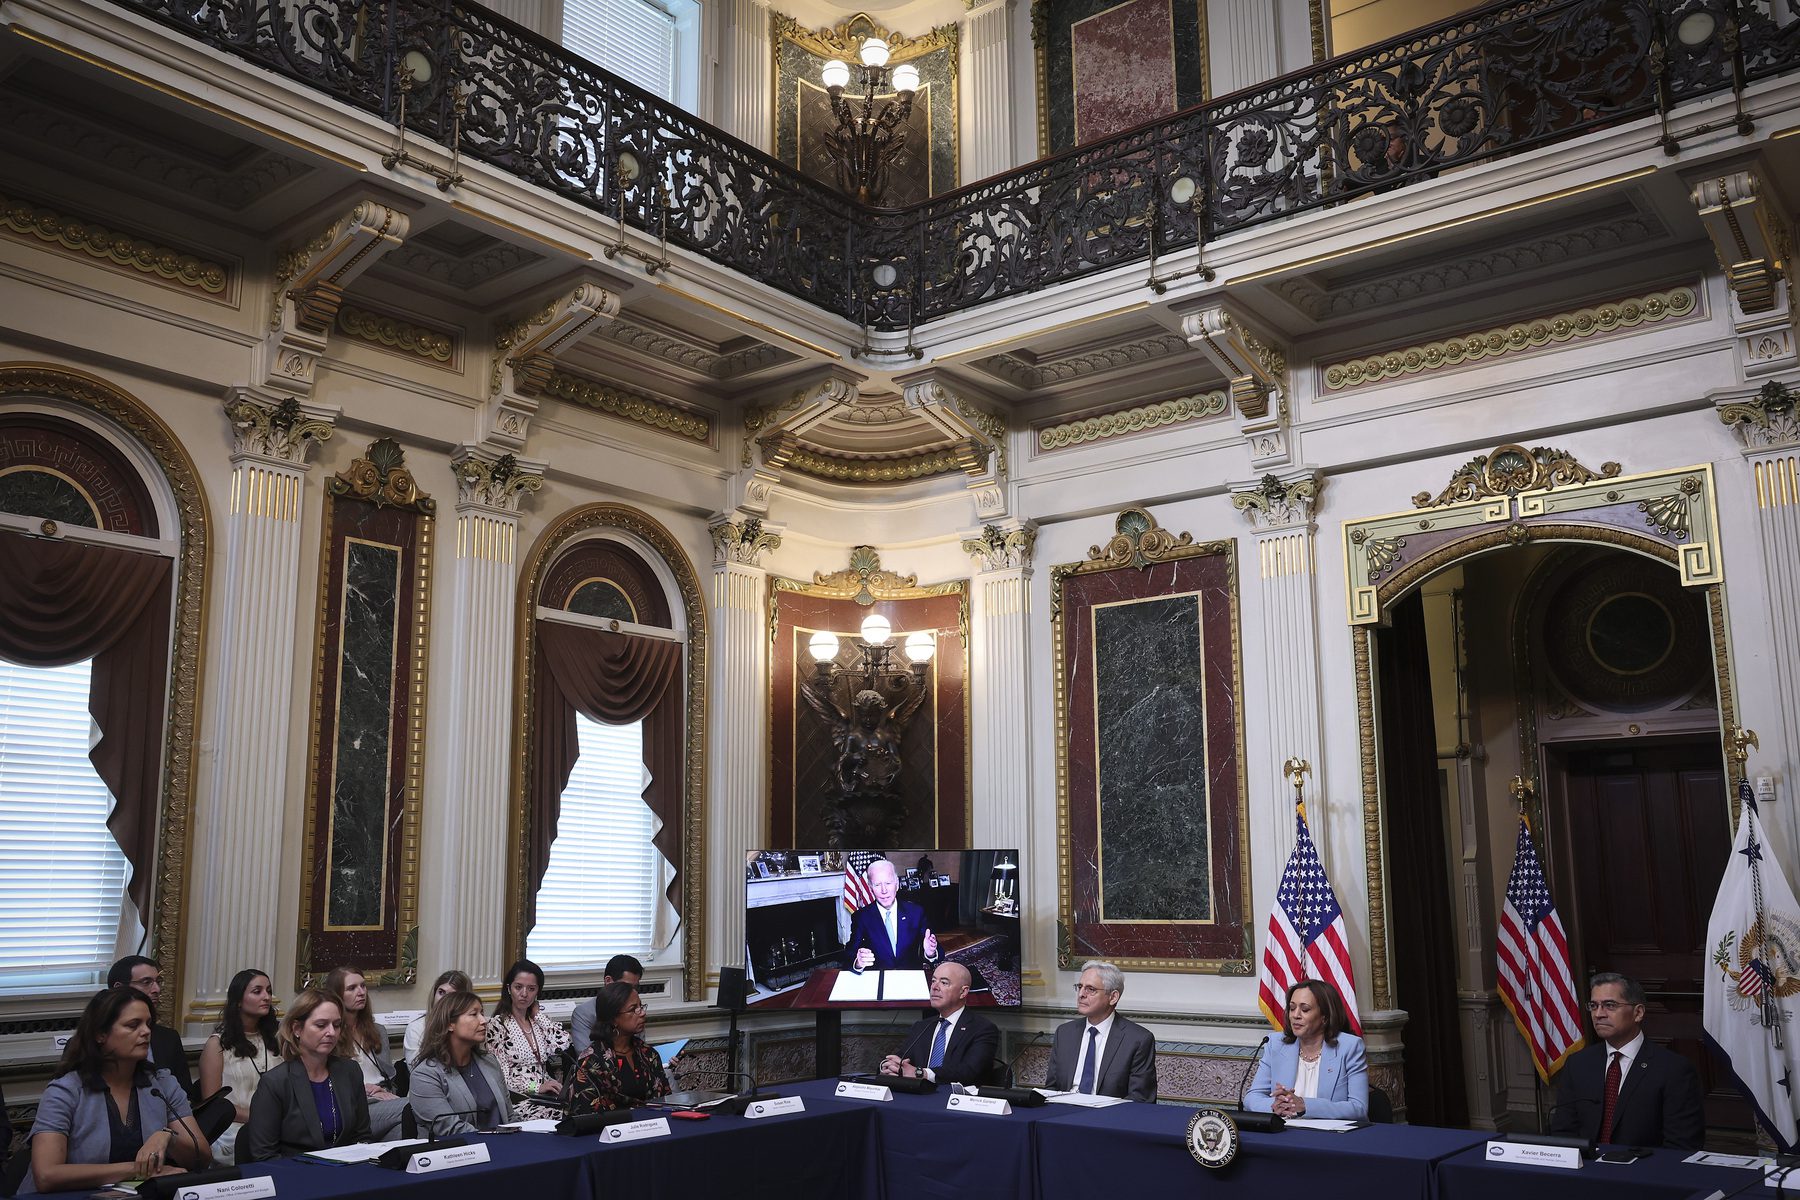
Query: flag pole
[1297,769]
[1522,790]
[1741,740]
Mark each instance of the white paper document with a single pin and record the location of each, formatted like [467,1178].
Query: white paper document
[905,985]
[881,985]
[851,986]
[361,1152]
[1707,1158]
[1322,1124]
[532,1126]
[1079,1099]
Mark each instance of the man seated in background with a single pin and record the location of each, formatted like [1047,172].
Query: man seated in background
[620,968]
[1625,1090]
[958,1045]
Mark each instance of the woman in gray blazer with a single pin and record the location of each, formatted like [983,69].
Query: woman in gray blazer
[108,1116]
[456,1084]
[315,1098]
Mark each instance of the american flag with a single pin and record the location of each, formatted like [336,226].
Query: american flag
[1306,934]
[1536,981]
[856,889]
[1753,978]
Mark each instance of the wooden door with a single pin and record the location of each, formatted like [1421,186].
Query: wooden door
[1642,831]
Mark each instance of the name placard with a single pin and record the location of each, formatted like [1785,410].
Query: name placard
[427,1162]
[1786,1180]
[993,1106]
[236,1189]
[1566,1157]
[863,1091]
[774,1108]
[635,1131]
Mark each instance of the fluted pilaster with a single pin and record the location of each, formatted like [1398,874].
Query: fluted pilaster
[744,105]
[1000,674]
[986,126]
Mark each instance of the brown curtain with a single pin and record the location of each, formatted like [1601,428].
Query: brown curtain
[1422,925]
[614,678]
[61,603]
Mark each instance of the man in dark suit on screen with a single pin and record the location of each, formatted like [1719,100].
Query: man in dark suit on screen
[1625,1090]
[1100,1052]
[952,1046]
[890,934]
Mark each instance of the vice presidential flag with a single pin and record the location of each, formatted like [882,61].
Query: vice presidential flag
[1306,934]
[1536,982]
[1754,942]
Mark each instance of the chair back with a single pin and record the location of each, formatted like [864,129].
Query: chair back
[1381,1109]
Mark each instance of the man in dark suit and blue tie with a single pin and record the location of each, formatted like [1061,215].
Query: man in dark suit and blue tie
[890,934]
[1626,1090]
[954,1045]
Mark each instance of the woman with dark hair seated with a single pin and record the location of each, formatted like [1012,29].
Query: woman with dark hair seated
[246,1046]
[107,1117]
[456,1084]
[315,1098]
[1315,1069]
[524,1042]
[620,1069]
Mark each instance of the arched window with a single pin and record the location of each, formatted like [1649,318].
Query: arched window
[91,563]
[610,777]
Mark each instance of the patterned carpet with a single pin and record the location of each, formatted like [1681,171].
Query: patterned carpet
[983,960]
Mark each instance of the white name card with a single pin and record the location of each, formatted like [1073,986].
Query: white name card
[1785,1181]
[993,1106]
[774,1108]
[1567,1157]
[235,1189]
[863,1091]
[635,1131]
[427,1162]
[60,1041]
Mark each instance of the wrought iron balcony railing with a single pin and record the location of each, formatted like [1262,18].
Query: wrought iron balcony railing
[1494,82]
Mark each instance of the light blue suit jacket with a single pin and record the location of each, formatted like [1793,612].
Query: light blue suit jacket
[1343,1079]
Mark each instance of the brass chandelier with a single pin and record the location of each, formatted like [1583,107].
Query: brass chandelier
[867,138]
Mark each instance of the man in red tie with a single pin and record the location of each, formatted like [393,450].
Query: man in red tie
[1623,1089]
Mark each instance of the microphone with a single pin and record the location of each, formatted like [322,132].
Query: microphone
[1244,1082]
[1037,1037]
[166,1187]
[734,1106]
[594,1122]
[180,1123]
[430,1125]
[923,1028]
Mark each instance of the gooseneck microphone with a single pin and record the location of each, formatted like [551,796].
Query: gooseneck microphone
[1244,1082]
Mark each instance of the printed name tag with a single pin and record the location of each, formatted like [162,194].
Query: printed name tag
[1785,1181]
[236,1189]
[635,1131]
[60,1041]
[427,1161]
[863,1091]
[774,1108]
[1567,1157]
[994,1106]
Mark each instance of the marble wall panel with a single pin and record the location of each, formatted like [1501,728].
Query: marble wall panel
[1106,66]
[364,744]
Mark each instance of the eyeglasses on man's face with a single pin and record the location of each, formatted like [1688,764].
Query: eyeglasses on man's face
[1088,989]
[1608,1006]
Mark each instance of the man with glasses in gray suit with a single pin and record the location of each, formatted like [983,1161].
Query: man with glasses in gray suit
[1100,1053]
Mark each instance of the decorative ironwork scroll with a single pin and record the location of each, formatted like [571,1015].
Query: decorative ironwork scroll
[1153,850]
[360,871]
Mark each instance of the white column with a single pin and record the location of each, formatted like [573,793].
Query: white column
[738,733]
[746,91]
[1280,510]
[461,922]
[539,16]
[985,125]
[237,918]
[999,678]
[1253,41]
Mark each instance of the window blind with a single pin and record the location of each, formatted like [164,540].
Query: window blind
[633,39]
[598,894]
[62,876]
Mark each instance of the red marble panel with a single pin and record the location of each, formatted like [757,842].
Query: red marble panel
[1123,61]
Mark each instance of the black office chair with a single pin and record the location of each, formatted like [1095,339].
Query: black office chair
[1001,1075]
[409,1124]
[1381,1109]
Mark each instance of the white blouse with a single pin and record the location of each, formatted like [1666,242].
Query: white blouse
[1306,1078]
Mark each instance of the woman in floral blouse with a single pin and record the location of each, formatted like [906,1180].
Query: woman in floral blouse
[526,1043]
[620,1070]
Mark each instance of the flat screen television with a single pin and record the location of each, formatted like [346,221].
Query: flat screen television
[865,928]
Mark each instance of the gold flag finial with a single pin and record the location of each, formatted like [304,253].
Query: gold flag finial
[1522,790]
[1296,770]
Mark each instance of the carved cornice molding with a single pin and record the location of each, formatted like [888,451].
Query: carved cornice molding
[1765,421]
[1750,236]
[1120,422]
[956,414]
[1002,548]
[404,337]
[1137,541]
[1034,374]
[79,238]
[279,430]
[530,345]
[864,580]
[966,456]
[496,482]
[716,363]
[630,406]
[843,40]
[380,478]
[1510,470]
[1255,363]
[479,267]
[1521,337]
[742,541]
[1279,502]
[312,276]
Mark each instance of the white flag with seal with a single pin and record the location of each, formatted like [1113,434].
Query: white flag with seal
[1754,942]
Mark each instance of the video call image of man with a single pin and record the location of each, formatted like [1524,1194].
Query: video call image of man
[1623,1089]
[952,1046]
[1100,1052]
[890,934]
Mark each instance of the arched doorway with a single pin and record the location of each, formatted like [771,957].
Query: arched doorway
[1474,617]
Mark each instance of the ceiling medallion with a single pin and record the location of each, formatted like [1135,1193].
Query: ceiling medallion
[1510,470]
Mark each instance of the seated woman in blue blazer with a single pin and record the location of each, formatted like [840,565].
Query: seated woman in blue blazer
[1315,1069]
[456,1084]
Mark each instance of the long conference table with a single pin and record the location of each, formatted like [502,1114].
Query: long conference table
[918,1148]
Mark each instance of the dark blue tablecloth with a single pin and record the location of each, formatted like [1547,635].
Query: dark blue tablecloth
[1141,1150]
[1661,1176]
[927,1152]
